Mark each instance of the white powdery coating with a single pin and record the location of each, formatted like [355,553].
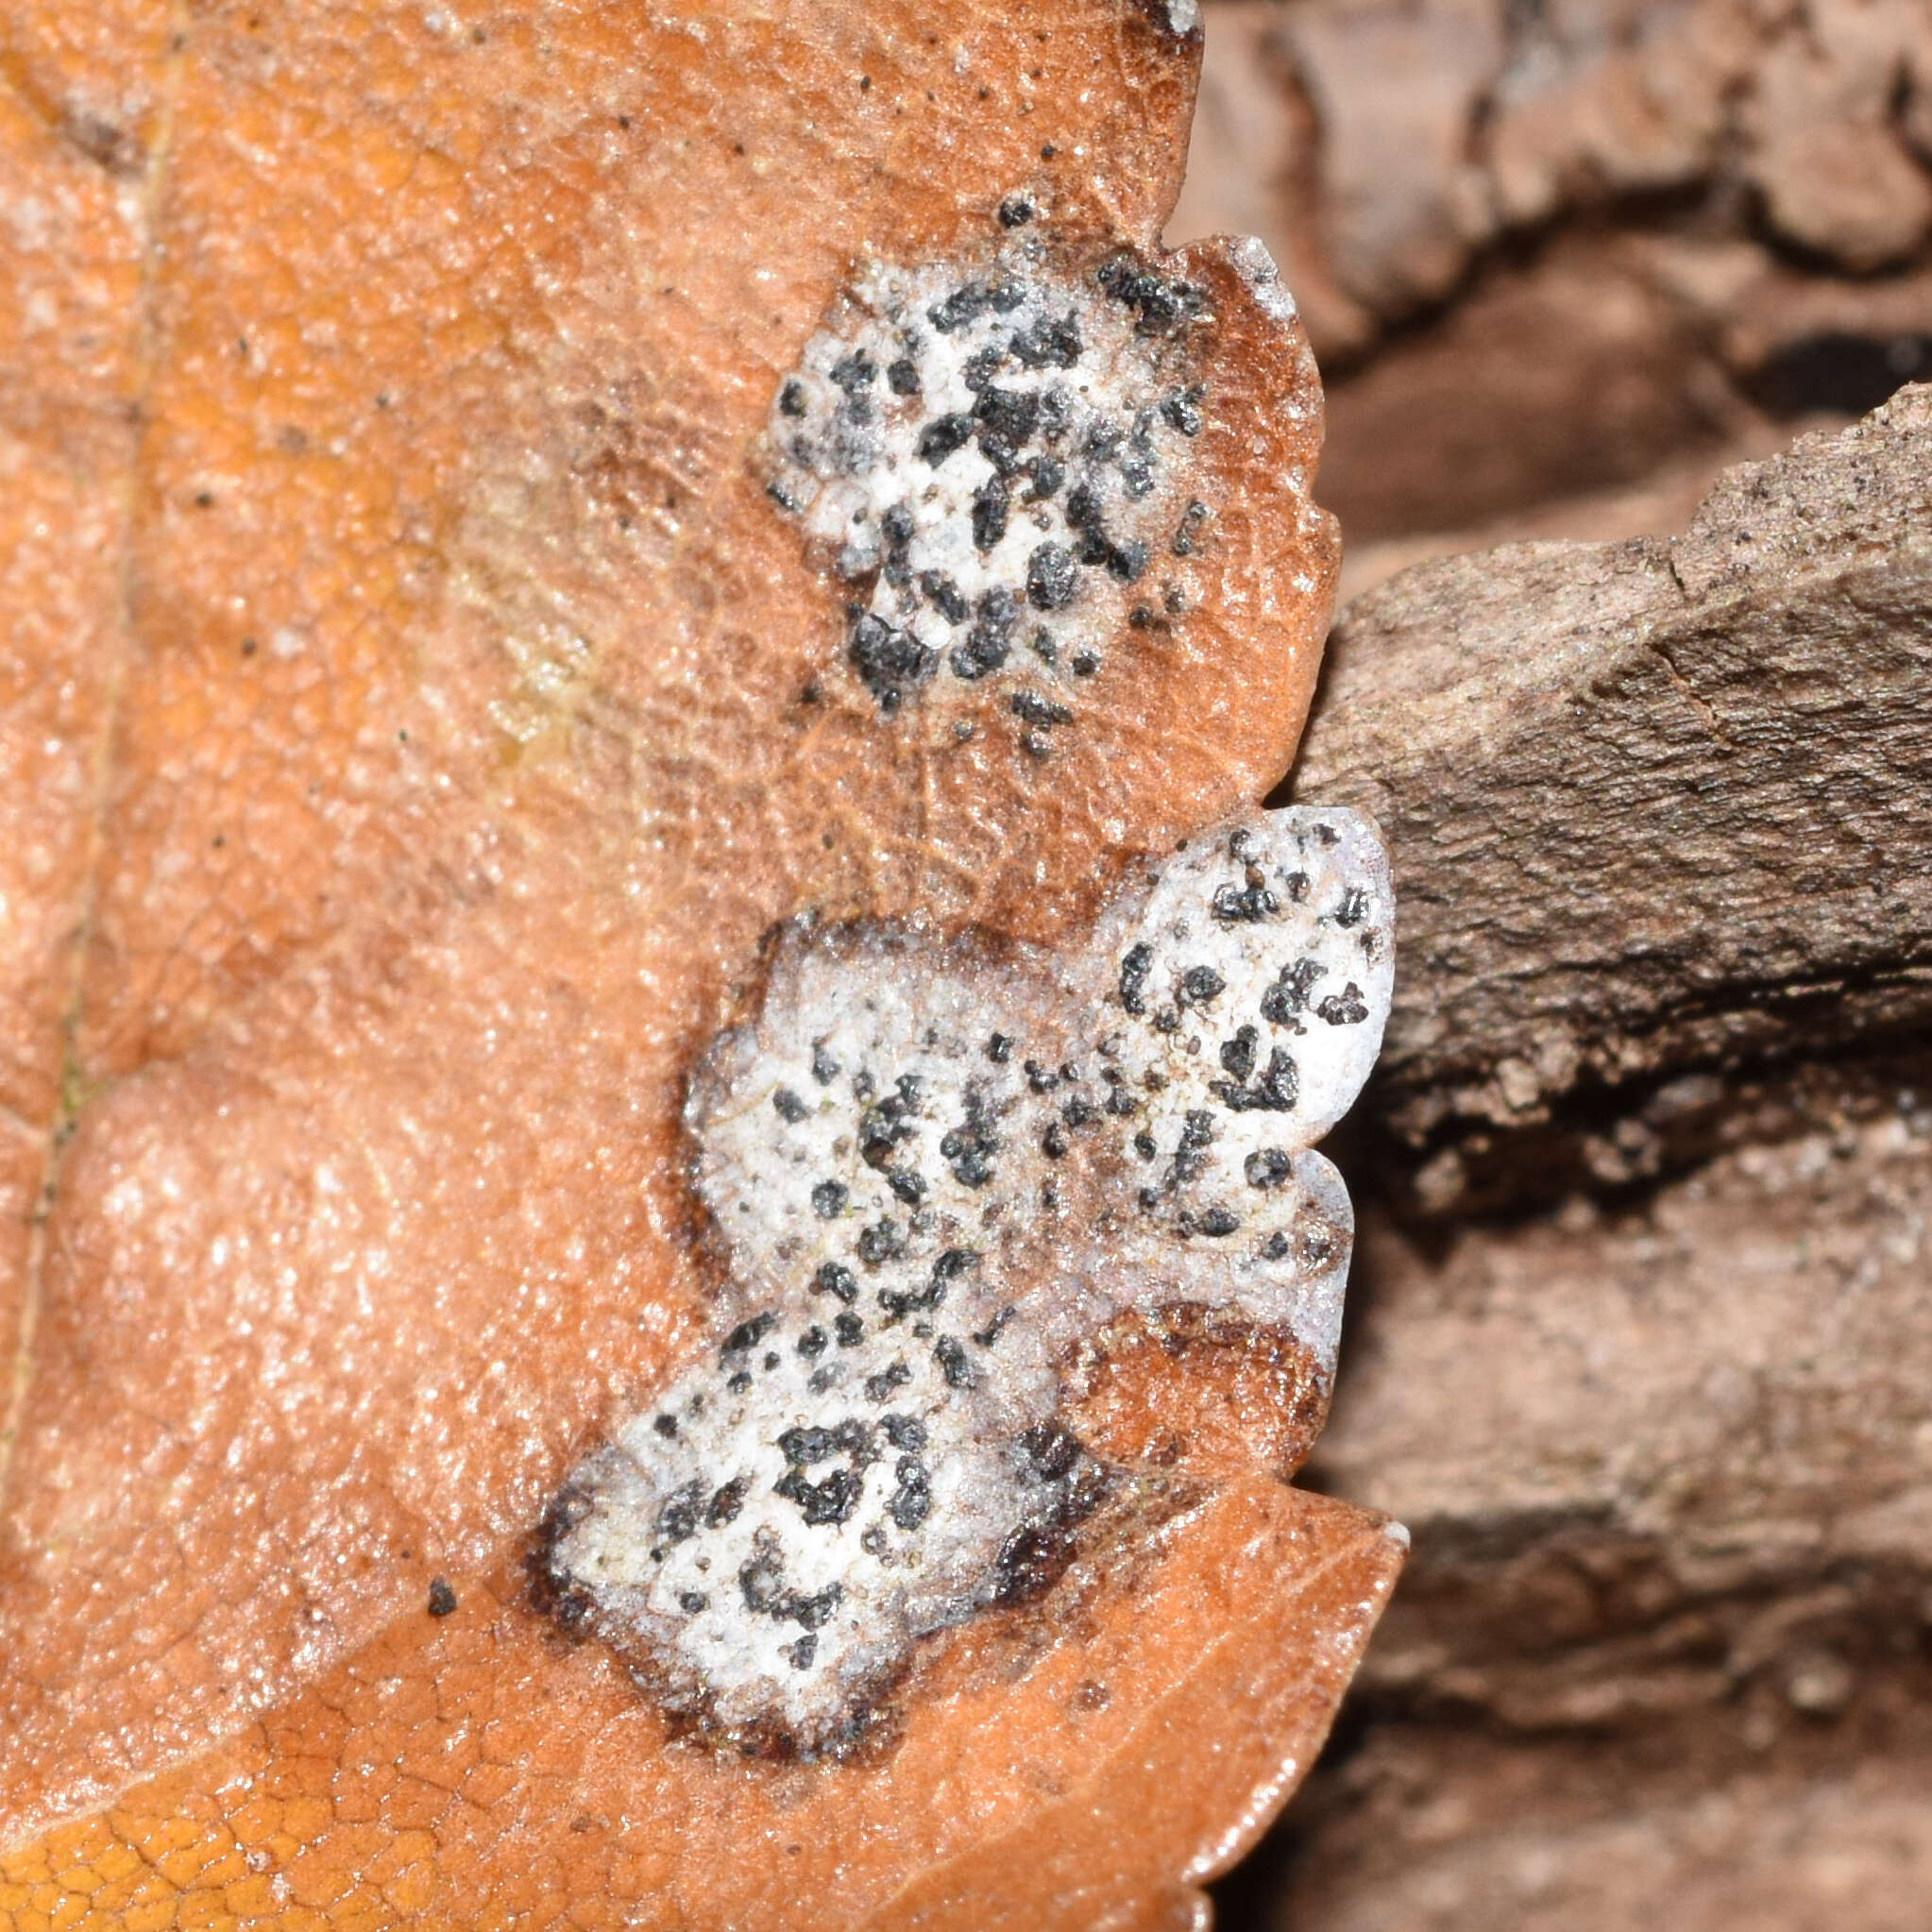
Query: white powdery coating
[823,1499]
[935,1167]
[993,457]
[1256,266]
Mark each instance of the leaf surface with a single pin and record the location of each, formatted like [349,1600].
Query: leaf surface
[417,711]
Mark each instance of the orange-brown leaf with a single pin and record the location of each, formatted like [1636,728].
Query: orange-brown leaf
[415,714]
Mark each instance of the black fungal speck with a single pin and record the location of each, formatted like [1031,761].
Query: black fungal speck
[942,436]
[1275,1092]
[1039,710]
[1051,578]
[955,1364]
[1238,1055]
[989,643]
[945,595]
[748,1334]
[887,660]
[853,372]
[879,1387]
[791,401]
[1161,306]
[981,367]
[831,1502]
[848,1329]
[967,303]
[789,1107]
[679,1515]
[880,1243]
[902,377]
[968,1149]
[1345,1008]
[1011,415]
[762,1581]
[912,1500]
[1187,536]
[1182,410]
[1250,903]
[810,1611]
[1029,1563]
[1046,476]
[836,1281]
[986,1336]
[1015,212]
[829,1198]
[442,1597]
[1201,984]
[1196,1136]
[1268,1168]
[1051,1449]
[990,514]
[904,1431]
[1288,997]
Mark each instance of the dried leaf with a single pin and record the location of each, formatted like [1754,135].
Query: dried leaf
[418,707]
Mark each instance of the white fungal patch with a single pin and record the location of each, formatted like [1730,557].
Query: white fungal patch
[994,458]
[935,1167]
[1256,266]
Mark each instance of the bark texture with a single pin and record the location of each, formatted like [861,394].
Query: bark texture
[1656,805]
[1643,1338]
[1545,250]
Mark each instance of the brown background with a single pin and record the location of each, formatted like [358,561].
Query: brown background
[1642,1328]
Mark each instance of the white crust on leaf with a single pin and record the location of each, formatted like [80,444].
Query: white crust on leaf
[936,1166]
[997,457]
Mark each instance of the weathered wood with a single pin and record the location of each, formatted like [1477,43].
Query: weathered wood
[1662,827]
[1653,807]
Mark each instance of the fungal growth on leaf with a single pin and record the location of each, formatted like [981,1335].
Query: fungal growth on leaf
[423,708]
[991,457]
[935,1167]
